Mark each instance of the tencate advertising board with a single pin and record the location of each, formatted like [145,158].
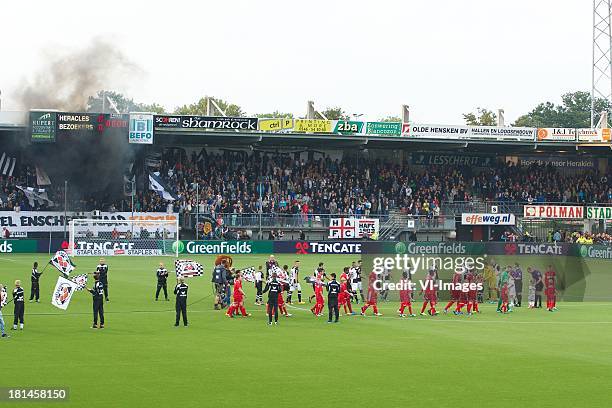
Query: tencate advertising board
[50,221]
[86,247]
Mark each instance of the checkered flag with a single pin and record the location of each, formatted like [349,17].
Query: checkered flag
[188,268]
[62,262]
[281,275]
[81,281]
[248,274]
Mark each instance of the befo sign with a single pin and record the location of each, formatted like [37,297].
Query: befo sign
[141,128]
[205,122]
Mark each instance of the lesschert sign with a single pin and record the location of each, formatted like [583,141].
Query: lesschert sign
[348,126]
[561,162]
[205,122]
[598,213]
[424,159]
[553,211]
[384,128]
[557,134]
[42,126]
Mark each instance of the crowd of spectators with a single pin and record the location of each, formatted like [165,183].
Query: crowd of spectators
[233,182]
[580,237]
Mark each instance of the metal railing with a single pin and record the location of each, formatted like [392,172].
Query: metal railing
[509,207]
[390,224]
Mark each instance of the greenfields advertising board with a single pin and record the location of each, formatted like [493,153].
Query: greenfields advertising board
[595,251]
[10,246]
[223,247]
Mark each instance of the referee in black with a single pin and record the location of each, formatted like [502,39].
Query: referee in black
[98,301]
[35,290]
[333,289]
[162,281]
[273,288]
[180,290]
[102,269]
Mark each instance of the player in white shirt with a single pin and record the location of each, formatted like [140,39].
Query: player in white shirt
[294,283]
[258,275]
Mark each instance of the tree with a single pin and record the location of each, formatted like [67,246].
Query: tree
[335,114]
[391,119]
[201,108]
[574,112]
[483,117]
[100,103]
[276,115]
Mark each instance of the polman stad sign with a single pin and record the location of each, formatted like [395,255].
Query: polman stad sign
[205,122]
[553,211]
[487,219]
[598,213]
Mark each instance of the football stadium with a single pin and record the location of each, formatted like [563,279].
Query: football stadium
[202,254]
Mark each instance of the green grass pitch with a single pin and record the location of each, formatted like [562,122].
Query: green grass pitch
[526,358]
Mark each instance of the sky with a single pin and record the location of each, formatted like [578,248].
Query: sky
[443,58]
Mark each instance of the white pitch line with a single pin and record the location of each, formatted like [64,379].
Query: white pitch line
[460,320]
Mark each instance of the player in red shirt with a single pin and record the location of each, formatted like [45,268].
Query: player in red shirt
[550,280]
[372,296]
[344,298]
[504,298]
[281,302]
[239,296]
[430,295]
[454,293]
[405,289]
[478,279]
[317,309]
[472,292]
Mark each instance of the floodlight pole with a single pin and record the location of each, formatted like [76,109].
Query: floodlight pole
[601,67]
[65,206]
[197,209]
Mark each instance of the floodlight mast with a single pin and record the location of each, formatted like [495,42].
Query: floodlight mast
[601,68]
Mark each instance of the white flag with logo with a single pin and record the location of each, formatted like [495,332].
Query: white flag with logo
[64,289]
